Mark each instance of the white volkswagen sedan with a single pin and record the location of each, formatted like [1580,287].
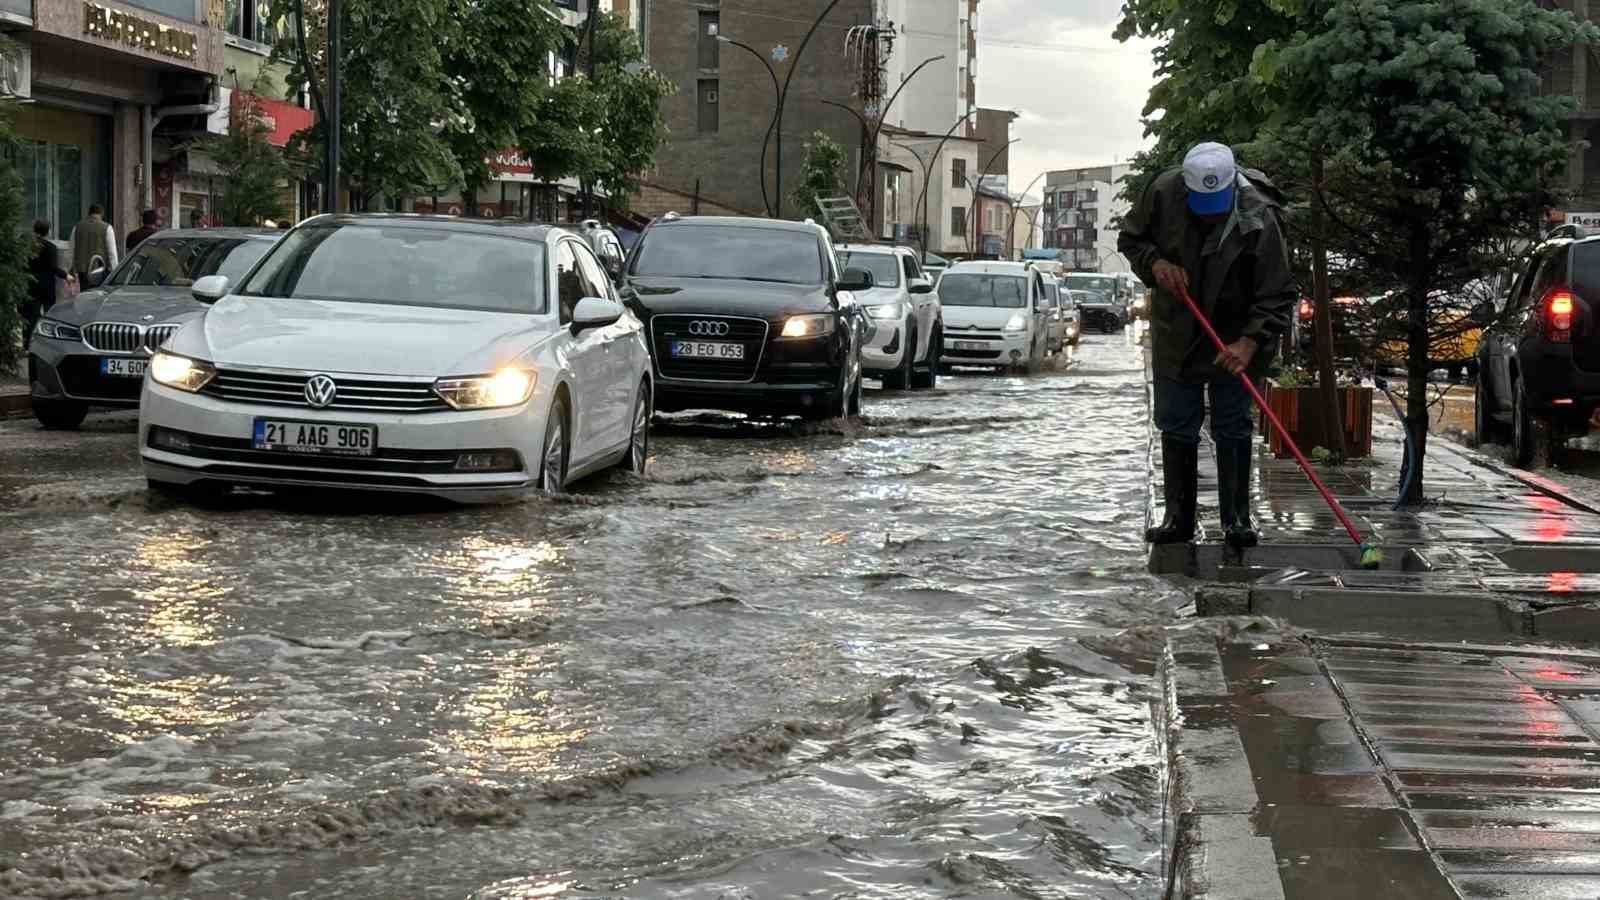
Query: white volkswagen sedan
[462,359]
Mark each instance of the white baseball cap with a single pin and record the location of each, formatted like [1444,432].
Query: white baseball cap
[1209,172]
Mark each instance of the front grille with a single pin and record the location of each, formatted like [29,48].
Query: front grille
[81,378]
[752,333]
[389,460]
[973,354]
[366,394]
[113,337]
[954,335]
[156,335]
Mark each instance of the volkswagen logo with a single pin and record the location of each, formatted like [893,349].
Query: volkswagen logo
[709,328]
[320,391]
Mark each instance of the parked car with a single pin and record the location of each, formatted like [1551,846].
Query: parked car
[995,315]
[1058,314]
[92,350]
[749,315]
[466,359]
[1074,314]
[1539,359]
[904,351]
[1100,307]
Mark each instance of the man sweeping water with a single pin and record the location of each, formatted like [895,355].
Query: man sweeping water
[1210,230]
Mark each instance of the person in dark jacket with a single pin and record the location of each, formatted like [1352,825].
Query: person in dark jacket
[1212,229]
[45,268]
[147,227]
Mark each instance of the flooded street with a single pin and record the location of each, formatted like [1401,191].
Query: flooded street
[902,661]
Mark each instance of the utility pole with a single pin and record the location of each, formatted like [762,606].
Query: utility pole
[594,15]
[331,177]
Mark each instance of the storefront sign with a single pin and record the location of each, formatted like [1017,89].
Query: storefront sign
[136,31]
[1586,219]
[283,120]
[510,162]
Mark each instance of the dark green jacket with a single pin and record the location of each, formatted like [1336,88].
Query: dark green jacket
[1243,283]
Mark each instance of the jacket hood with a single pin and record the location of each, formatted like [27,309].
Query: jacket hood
[363,338]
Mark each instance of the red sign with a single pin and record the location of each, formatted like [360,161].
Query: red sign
[510,162]
[283,119]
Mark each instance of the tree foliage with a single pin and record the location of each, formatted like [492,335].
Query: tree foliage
[631,126]
[821,173]
[16,248]
[255,174]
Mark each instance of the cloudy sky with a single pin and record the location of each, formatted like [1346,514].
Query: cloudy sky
[1078,90]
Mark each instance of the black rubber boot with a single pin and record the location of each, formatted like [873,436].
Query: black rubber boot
[1179,462]
[1234,457]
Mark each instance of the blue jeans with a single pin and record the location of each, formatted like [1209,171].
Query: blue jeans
[1181,407]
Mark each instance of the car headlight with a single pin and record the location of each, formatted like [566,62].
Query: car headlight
[61,331]
[1017,322]
[893,310]
[808,326]
[181,372]
[507,387]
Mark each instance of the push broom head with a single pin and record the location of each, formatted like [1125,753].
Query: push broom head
[1371,556]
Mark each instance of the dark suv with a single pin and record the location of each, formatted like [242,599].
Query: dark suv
[748,315]
[1539,357]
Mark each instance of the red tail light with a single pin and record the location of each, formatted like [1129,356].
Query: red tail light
[1558,304]
[1305,309]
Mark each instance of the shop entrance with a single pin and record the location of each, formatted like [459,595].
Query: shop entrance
[64,160]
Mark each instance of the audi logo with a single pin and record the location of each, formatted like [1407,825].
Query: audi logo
[320,391]
[708,328]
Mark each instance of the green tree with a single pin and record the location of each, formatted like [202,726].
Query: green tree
[16,248]
[395,97]
[1430,121]
[255,174]
[492,66]
[631,127]
[821,173]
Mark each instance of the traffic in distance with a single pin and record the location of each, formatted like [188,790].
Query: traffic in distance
[481,360]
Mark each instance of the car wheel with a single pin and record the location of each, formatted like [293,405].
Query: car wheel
[837,402]
[638,455]
[1524,438]
[927,377]
[64,415]
[1035,361]
[853,406]
[553,459]
[900,378]
[1482,423]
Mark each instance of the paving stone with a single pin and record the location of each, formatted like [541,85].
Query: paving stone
[1340,873]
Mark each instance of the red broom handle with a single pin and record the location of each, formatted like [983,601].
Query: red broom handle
[1305,464]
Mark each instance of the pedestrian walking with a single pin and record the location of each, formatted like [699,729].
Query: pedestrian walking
[1213,229]
[45,268]
[146,228]
[93,241]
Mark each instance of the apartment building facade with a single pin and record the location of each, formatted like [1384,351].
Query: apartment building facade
[1079,212]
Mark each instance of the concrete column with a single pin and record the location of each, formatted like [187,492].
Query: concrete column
[127,165]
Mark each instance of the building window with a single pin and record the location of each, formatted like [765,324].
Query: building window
[710,47]
[251,20]
[708,107]
[958,221]
[958,173]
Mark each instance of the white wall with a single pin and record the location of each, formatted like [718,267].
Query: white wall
[927,28]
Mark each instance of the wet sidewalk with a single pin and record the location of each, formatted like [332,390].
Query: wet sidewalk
[1496,553]
[1323,767]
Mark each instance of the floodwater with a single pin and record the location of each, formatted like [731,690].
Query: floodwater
[908,658]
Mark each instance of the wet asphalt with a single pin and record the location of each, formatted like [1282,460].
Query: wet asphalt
[910,656]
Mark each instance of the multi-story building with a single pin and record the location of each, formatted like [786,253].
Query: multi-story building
[928,195]
[724,108]
[1080,211]
[946,89]
[112,89]
[1576,72]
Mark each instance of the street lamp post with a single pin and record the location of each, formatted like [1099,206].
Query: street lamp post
[1011,220]
[783,97]
[776,100]
[922,202]
[971,224]
[331,176]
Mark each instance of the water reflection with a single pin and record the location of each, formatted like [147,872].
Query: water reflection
[180,603]
[500,568]
[509,722]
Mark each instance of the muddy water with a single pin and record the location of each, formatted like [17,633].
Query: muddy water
[904,660]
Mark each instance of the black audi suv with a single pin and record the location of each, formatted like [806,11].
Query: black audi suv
[749,315]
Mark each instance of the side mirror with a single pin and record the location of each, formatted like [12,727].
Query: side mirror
[210,289]
[855,279]
[595,312]
[921,286]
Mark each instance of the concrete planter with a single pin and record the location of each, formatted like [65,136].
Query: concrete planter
[1297,409]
